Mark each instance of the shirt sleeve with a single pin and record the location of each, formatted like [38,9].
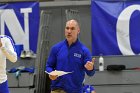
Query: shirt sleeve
[88,57]
[8,49]
[51,62]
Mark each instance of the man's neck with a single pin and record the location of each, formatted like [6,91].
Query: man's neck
[71,42]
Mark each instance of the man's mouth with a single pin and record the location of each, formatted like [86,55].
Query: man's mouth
[68,35]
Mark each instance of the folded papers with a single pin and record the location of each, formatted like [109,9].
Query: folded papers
[58,73]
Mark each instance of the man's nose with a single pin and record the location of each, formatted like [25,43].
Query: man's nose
[69,30]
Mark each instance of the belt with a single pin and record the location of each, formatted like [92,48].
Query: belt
[57,89]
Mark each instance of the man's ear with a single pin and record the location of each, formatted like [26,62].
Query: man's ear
[78,31]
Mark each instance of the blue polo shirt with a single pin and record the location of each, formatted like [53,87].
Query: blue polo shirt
[70,59]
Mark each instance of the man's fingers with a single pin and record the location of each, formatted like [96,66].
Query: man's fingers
[93,60]
[89,64]
[53,77]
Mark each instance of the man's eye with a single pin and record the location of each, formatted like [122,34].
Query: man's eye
[67,28]
[72,28]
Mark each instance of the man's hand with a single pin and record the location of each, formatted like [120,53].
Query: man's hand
[53,77]
[90,64]
[0,43]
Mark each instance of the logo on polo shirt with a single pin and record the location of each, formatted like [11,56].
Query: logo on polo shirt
[77,55]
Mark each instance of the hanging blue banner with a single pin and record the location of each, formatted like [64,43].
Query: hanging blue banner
[20,20]
[115,27]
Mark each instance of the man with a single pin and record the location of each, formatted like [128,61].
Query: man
[69,55]
[6,51]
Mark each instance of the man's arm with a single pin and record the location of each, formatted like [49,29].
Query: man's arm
[51,62]
[89,63]
[7,49]
[90,67]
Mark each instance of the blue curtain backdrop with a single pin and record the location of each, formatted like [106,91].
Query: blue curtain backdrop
[16,18]
[115,27]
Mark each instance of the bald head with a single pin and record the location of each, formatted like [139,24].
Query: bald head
[72,21]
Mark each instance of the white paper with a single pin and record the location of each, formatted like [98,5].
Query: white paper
[58,73]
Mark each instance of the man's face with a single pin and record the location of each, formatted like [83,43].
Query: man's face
[71,31]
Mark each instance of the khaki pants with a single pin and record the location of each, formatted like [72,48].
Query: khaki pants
[58,91]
